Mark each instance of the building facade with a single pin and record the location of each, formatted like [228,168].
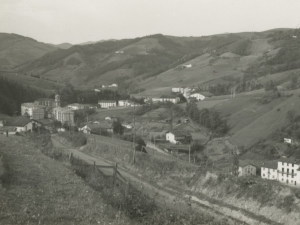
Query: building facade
[247,170]
[178,137]
[106,104]
[32,110]
[165,98]
[64,115]
[287,172]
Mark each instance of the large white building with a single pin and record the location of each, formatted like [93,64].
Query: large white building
[106,104]
[33,111]
[64,115]
[165,98]
[287,171]
[198,96]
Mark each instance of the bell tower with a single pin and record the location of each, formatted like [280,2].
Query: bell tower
[57,100]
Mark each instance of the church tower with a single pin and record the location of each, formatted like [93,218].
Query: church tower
[57,100]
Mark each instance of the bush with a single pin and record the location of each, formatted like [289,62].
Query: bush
[76,139]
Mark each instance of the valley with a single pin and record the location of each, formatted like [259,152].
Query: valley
[211,122]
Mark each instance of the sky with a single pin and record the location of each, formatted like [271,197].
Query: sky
[78,21]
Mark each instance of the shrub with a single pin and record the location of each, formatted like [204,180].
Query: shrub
[77,139]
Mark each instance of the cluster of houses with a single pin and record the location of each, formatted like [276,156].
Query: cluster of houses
[47,108]
[189,93]
[284,170]
[110,86]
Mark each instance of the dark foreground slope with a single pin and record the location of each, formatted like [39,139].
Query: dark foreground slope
[35,189]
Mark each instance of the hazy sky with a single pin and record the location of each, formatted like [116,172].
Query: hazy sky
[77,21]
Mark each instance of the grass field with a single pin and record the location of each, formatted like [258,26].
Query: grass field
[36,189]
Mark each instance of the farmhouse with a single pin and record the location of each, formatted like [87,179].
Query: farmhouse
[89,128]
[177,89]
[197,96]
[246,169]
[286,171]
[106,104]
[20,124]
[178,137]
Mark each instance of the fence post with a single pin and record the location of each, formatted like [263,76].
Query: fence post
[115,173]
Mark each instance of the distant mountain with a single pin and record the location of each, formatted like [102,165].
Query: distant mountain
[16,49]
[125,61]
[64,45]
[94,42]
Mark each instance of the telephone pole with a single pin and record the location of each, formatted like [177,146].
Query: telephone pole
[134,134]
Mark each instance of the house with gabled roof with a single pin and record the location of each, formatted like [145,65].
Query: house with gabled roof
[178,137]
[20,124]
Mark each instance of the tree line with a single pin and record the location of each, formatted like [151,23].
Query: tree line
[13,94]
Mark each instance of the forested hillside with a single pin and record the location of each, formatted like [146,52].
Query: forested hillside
[12,95]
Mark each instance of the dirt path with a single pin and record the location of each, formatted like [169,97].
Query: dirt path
[170,198]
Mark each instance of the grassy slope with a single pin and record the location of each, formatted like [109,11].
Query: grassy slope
[16,50]
[250,121]
[38,190]
[203,73]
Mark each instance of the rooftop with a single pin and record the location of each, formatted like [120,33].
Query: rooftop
[28,104]
[107,101]
[180,133]
[19,121]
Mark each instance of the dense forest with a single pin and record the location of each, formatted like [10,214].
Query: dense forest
[69,94]
[12,95]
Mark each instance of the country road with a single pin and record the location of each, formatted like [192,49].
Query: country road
[168,198]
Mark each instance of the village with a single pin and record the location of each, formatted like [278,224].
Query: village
[172,138]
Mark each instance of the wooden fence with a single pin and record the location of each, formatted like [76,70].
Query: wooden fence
[116,175]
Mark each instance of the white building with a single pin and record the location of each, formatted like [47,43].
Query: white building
[113,85]
[287,140]
[165,98]
[198,96]
[287,171]
[177,137]
[64,115]
[32,110]
[177,89]
[187,65]
[106,104]
[75,106]
[124,103]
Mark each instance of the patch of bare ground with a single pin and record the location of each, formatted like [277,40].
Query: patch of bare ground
[36,189]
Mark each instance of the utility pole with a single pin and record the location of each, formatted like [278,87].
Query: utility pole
[190,154]
[134,134]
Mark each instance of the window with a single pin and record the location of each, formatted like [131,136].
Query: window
[263,175]
[273,177]
[287,170]
[283,170]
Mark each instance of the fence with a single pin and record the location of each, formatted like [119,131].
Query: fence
[115,173]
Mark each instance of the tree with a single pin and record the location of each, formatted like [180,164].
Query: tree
[118,128]
[140,145]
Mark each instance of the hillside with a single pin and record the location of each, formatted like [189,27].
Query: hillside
[16,49]
[133,62]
